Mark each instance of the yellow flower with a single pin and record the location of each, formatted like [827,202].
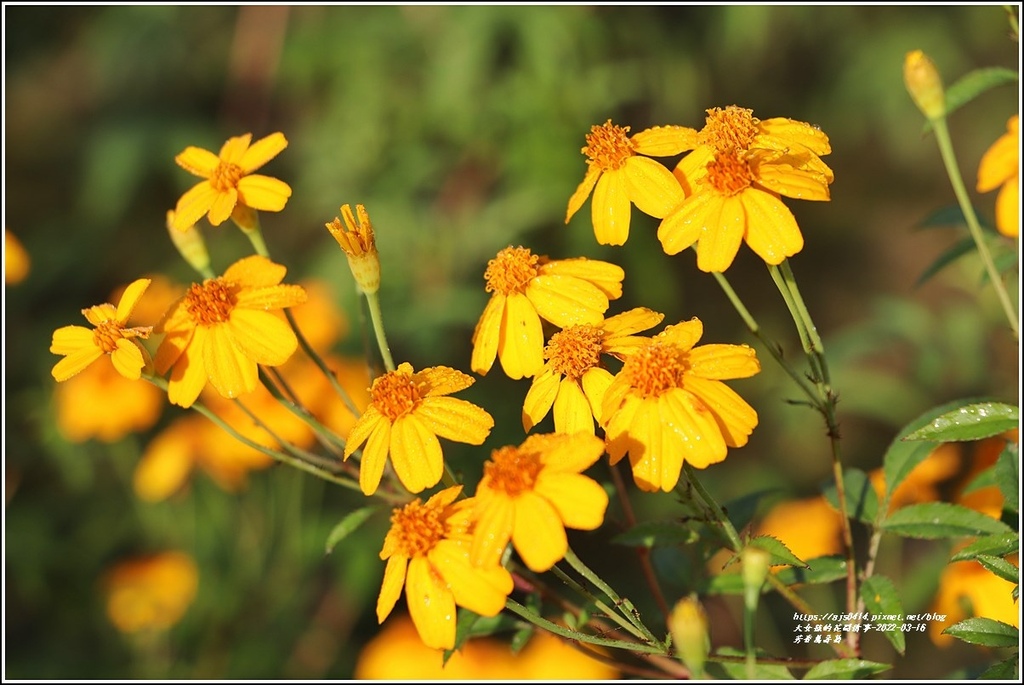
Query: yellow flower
[1000,166]
[668,405]
[922,483]
[16,259]
[809,527]
[988,595]
[427,550]
[152,592]
[618,176]
[82,346]
[573,380]
[224,327]
[532,493]
[229,184]
[101,403]
[526,288]
[357,241]
[407,413]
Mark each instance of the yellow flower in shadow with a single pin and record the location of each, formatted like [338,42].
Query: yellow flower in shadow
[1000,168]
[150,593]
[16,259]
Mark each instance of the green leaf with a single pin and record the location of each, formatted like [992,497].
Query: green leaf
[953,253]
[845,669]
[1001,567]
[655,534]
[969,422]
[738,671]
[860,495]
[985,478]
[345,527]
[880,597]
[932,520]
[986,632]
[991,545]
[1004,262]
[820,570]
[973,84]
[1004,670]
[464,621]
[780,553]
[1007,474]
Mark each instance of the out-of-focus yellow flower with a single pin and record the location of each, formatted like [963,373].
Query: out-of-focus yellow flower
[549,657]
[924,84]
[16,259]
[923,481]
[101,403]
[668,405]
[573,380]
[809,527]
[360,247]
[618,175]
[229,185]
[532,493]
[110,335]
[223,328]
[688,624]
[408,411]
[989,596]
[152,592]
[526,288]
[989,499]
[319,319]
[1000,166]
[427,550]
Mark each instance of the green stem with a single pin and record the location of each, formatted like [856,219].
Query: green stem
[324,435]
[1013,21]
[292,449]
[378,328]
[715,509]
[817,348]
[540,622]
[748,639]
[601,606]
[255,236]
[960,190]
[321,364]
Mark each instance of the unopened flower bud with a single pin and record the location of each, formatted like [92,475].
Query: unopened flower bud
[190,244]
[924,84]
[357,241]
[756,563]
[689,627]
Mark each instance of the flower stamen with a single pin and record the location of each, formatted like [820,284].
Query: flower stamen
[728,173]
[226,176]
[512,470]
[732,128]
[575,350]
[654,369]
[608,146]
[511,270]
[395,394]
[212,301]
[417,528]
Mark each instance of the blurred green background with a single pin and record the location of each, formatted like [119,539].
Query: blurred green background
[460,129]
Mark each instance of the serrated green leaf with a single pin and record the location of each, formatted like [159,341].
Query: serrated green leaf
[986,632]
[969,422]
[820,570]
[1007,475]
[656,533]
[860,495]
[881,598]
[738,671]
[1004,670]
[992,545]
[932,520]
[953,253]
[845,669]
[780,554]
[345,527]
[973,84]
[999,566]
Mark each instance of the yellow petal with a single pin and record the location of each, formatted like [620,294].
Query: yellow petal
[772,231]
[605,275]
[521,343]
[619,417]
[391,587]
[445,497]
[455,419]
[684,334]
[375,454]
[264,193]
[540,397]
[130,298]
[719,362]
[1008,208]
[198,161]
[696,436]
[610,208]
[570,453]
[263,337]
[179,329]
[572,410]
[431,605]
[735,418]
[69,339]
[101,313]
[234,148]
[442,380]
[681,229]
[795,183]
[193,205]
[128,359]
[723,233]
[495,515]
[481,590]
[487,334]
[229,370]
[188,376]
[780,133]
[537,532]
[272,297]
[579,501]
[629,322]
[646,451]
[361,430]
[652,187]
[595,383]
[582,191]
[255,271]
[664,141]
[223,204]
[566,300]
[164,466]
[75,362]
[415,454]
[999,163]
[262,151]
[693,167]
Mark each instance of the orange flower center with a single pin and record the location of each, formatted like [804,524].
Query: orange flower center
[512,471]
[655,368]
[731,128]
[418,527]
[394,394]
[106,336]
[575,350]
[226,176]
[511,270]
[728,174]
[212,301]
[607,146]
